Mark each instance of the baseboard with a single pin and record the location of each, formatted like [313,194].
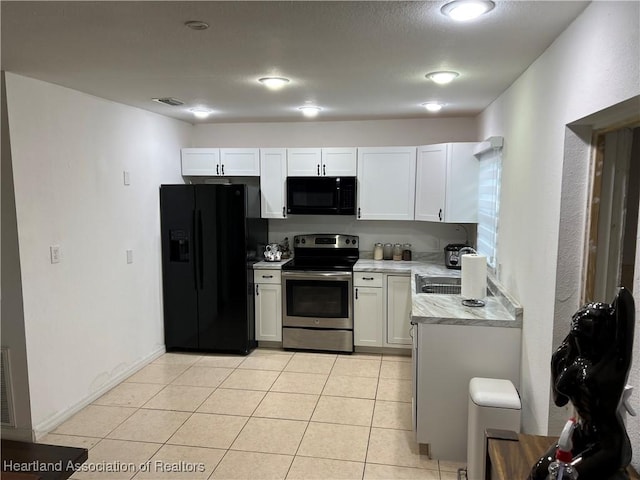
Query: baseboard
[46,426]
[19,434]
[400,351]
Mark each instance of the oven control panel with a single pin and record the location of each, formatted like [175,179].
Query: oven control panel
[325,241]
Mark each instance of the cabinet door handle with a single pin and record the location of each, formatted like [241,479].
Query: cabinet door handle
[358,212]
[324,170]
[318,169]
[217,169]
[356,293]
[267,276]
[284,213]
[257,291]
[223,169]
[440,215]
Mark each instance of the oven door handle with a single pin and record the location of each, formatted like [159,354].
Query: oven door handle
[316,275]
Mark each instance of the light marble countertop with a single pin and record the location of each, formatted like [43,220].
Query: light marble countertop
[264,265]
[500,309]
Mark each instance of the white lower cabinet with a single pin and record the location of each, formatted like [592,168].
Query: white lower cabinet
[368,309]
[398,310]
[268,305]
[382,307]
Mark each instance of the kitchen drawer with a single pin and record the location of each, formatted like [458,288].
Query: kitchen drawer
[266,276]
[367,279]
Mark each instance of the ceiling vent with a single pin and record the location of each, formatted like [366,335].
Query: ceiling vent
[172,102]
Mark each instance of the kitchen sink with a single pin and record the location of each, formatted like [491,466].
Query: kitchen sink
[442,285]
[439,285]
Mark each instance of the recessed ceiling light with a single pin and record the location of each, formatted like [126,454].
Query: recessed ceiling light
[196,25]
[433,106]
[442,78]
[465,10]
[201,112]
[310,110]
[273,83]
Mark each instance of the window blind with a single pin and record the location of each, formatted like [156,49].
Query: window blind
[489,202]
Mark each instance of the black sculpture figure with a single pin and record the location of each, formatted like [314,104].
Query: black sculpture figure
[590,369]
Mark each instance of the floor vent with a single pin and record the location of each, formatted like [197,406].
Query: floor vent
[6,391]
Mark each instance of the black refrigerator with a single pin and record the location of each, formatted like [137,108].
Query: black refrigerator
[211,236]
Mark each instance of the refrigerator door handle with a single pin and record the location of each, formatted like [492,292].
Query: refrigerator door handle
[194,246]
[200,253]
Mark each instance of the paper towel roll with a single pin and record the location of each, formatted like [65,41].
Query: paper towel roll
[474,276]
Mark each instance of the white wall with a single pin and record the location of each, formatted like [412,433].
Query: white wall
[424,237]
[92,317]
[11,309]
[336,134]
[591,66]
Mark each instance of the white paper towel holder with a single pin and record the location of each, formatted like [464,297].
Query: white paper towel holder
[471,302]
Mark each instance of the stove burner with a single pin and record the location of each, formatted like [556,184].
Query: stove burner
[329,252]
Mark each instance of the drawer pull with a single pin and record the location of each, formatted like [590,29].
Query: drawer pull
[368,278]
[267,276]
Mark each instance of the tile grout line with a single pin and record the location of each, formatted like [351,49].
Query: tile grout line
[310,417]
[280,371]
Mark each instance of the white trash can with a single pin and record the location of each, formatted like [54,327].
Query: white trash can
[493,403]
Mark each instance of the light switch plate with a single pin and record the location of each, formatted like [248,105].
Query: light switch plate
[54,251]
[126,177]
[129,256]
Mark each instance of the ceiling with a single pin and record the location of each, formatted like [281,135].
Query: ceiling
[355,59]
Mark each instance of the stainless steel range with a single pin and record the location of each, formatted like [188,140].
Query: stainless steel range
[317,301]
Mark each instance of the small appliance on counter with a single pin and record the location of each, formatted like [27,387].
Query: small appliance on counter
[452,255]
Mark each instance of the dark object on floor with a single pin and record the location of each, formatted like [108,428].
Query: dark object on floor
[32,461]
[590,369]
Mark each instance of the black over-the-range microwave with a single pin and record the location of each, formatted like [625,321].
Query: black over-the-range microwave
[321,195]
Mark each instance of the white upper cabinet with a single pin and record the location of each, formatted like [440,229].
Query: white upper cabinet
[304,162]
[200,161]
[447,183]
[386,183]
[321,162]
[240,162]
[273,176]
[339,162]
[221,162]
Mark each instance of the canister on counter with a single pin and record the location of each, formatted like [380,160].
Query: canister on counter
[378,252]
[397,252]
[406,251]
[388,251]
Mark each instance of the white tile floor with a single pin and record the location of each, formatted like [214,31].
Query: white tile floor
[270,415]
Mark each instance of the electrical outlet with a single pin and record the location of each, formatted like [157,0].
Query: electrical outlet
[129,256]
[126,177]
[54,251]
